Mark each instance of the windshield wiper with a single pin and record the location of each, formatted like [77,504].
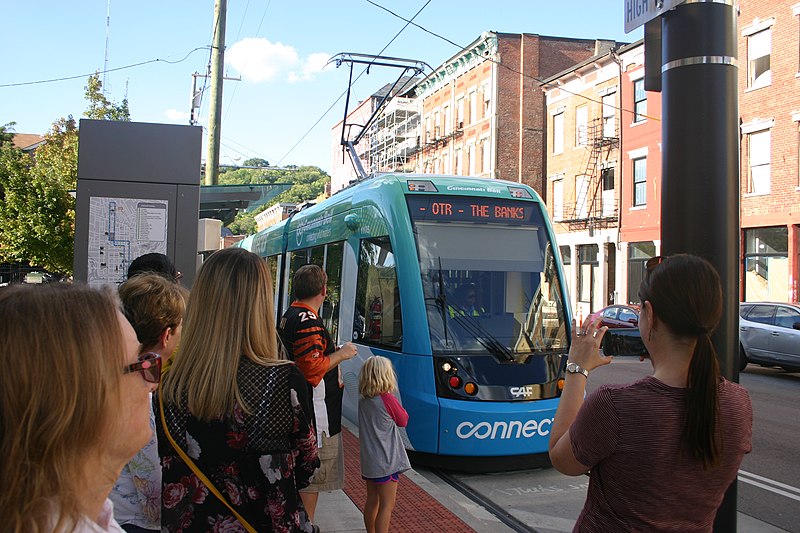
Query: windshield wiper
[487,340]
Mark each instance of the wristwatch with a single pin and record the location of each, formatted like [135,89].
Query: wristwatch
[574,368]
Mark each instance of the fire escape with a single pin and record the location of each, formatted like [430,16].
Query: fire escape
[596,205]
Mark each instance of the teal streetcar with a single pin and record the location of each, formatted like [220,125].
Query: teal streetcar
[456,280]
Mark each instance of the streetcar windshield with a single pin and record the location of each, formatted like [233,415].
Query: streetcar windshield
[491,288]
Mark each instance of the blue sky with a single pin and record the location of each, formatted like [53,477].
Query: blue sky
[277,47]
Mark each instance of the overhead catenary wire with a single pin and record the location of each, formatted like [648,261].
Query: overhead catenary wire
[350,85]
[498,63]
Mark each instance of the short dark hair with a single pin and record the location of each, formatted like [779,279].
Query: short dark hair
[308,281]
[153,262]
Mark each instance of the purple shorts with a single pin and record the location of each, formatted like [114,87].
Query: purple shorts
[385,479]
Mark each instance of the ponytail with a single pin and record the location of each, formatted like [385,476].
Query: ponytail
[702,404]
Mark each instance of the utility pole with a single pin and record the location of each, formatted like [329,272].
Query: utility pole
[215,113]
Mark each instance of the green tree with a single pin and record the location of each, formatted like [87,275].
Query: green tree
[37,211]
[308,183]
[256,162]
[100,107]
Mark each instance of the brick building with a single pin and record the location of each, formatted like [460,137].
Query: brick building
[769,107]
[482,112]
[583,175]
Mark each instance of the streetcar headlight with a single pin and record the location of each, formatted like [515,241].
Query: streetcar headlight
[447,367]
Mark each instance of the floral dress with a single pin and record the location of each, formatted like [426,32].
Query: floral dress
[258,461]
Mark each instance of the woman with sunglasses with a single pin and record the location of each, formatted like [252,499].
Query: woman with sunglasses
[662,451]
[154,305]
[73,406]
[234,439]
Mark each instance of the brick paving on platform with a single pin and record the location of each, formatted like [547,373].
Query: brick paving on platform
[415,510]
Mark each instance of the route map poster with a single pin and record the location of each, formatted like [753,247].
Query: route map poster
[120,230]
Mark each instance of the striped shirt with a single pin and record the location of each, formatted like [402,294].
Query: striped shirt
[641,477]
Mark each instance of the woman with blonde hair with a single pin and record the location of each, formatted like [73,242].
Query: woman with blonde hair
[383,455]
[239,444]
[74,399]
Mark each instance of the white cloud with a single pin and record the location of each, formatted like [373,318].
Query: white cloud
[175,115]
[314,63]
[257,59]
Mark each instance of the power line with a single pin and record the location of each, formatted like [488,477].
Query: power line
[408,22]
[515,71]
[157,60]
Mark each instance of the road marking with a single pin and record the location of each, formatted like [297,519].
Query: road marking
[770,485]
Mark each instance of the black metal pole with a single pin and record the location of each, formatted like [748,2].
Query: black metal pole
[700,162]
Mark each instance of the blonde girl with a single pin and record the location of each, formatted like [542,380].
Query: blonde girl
[383,455]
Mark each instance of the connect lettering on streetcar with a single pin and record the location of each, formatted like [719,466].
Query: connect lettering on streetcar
[504,430]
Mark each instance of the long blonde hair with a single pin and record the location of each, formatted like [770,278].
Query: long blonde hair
[62,355]
[376,377]
[229,315]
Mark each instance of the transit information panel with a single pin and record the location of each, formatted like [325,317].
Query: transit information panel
[470,209]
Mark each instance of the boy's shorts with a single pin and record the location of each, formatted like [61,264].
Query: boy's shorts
[330,474]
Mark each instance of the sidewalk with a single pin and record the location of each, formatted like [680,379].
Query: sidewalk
[425,505]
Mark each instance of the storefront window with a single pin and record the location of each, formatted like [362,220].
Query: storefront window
[638,254]
[766,264]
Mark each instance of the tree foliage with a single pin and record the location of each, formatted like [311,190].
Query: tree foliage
[100,107]
[307,183]
[37,211]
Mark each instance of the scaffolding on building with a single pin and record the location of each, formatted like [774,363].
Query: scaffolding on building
[596,203]
[394,136]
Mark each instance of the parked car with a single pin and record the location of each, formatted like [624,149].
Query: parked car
[769,334]
[618,316]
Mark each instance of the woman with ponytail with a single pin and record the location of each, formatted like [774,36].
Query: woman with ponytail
[662,451]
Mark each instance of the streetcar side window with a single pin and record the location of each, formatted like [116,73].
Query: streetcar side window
[377,318]
[329,257]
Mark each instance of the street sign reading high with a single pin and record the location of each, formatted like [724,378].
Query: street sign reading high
[637,12]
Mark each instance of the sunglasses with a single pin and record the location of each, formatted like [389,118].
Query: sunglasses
[654,262]
[649,265]
[149,366]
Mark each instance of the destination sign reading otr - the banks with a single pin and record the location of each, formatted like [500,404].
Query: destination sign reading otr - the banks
[470,209]
[637,12]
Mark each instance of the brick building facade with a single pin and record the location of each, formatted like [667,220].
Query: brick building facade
[769,107]
[482,111]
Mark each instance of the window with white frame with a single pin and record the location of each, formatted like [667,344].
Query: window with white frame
[558,133]
[759,158]
[460,113]
[486,152]
[487,101]
[437,130]
[581,125]
[759,49]
[473,107]
[639,100]
[428,129]
[609,115]
[471,156]
[448,120]
[459,162]
[640,181]
[446,161]
[582,196]
[558,199]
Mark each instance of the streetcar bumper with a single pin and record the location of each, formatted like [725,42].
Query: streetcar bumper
[495,428]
